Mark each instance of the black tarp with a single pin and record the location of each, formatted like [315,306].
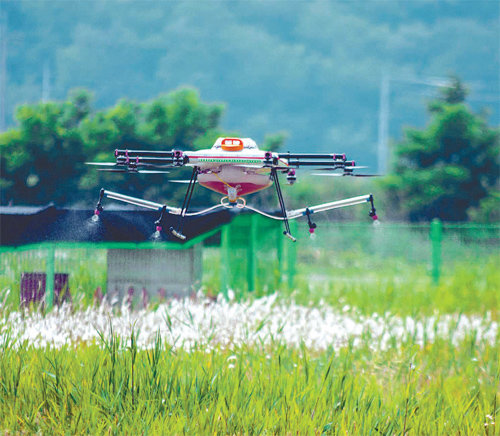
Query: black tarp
[29,225]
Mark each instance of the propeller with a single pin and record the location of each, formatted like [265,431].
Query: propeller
[345,175]
[125,170]
[113,170]
[334,169]
[144,168]
[150,172]
[101,164]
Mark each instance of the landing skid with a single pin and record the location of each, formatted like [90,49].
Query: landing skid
[185,206]
[285,215]
[308,211]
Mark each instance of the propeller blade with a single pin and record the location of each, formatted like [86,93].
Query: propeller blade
[345,175]
[180,181]
[113,170]
[328,174]
[134,171]
[150,172]
[151,169]
[102,164]
[335,169]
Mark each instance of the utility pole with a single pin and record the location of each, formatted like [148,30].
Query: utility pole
[3,67]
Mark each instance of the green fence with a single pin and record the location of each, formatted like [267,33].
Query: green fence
[252,255]
[255,256]
[364,252]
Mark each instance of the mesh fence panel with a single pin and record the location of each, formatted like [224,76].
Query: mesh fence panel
[251,254]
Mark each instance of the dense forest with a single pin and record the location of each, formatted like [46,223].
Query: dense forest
[311,70]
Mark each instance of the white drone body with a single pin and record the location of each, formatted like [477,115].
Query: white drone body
[233,167]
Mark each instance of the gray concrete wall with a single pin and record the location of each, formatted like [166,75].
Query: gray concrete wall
[162,273]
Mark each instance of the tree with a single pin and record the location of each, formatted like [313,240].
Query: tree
[175,120]
[42,160]
[448,168]
[311,68]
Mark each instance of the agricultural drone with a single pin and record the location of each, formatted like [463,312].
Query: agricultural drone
[233,167]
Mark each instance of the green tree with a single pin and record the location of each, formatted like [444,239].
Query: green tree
[448,168]
[43,159]
[175,120]
[312,69]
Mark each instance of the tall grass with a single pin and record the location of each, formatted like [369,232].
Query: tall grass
[112,387]
[443,383]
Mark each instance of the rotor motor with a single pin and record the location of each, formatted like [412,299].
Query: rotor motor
[291,178]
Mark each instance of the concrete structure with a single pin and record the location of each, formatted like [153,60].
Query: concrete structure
[159,273]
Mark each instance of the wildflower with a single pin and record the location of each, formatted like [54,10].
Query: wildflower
[490,418]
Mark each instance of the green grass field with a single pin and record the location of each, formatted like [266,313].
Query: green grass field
[407,385]
[112,387]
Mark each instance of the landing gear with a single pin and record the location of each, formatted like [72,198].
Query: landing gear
[158,225]
[185,205]
[274,177]
[373,212]
[312,226]
[98,208]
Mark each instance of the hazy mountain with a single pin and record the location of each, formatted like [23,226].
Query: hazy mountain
[311,69]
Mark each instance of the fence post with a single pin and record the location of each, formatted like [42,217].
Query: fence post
[50,274]
[251,260]
[436,235]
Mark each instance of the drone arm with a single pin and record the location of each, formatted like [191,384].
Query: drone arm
[140,202]
[332,161]
[305,156]
[137,159]
[144,153]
